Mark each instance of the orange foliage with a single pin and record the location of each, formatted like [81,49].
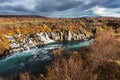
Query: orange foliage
[46,28]
[32,25]
[3,46]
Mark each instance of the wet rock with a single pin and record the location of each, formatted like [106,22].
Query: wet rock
[39,39]
[11,38]
[69,35]
[61,36]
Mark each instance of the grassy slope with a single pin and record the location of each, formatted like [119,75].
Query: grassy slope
[31,25]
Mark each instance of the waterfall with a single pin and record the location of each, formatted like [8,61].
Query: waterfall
[48,39]
[31,41]
[61,36]
[69,35]
[44,38]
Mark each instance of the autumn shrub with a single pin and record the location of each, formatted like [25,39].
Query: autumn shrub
[68,65]
[104,47]
[89,62]
[3,47]
[25,76]
[108,71]
[103,53]
[29,76]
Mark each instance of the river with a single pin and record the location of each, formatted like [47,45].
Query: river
[33,60]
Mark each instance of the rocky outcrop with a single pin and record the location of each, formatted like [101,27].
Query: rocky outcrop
[39,39]
[48,30]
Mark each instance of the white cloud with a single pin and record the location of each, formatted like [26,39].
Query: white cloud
[102,11]
[61,8]
[28,4]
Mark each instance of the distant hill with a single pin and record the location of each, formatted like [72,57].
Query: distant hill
[7,16]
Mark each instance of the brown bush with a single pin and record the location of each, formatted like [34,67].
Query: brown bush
[25,76]
[104,50]
[68,66]
[109,71]
[104,47]
[28,76]
[85,65]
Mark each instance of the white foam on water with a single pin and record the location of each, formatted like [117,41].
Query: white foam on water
[14,61]
[80,44]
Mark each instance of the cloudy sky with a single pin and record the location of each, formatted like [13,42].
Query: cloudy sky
[61,8]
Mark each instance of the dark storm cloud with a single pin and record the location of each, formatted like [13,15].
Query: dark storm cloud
[68,5]
[90,5]
[14,8]
[112,4]
[61,8]
[2,1]
[56,5]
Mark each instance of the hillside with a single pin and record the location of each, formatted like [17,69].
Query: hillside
[15,29]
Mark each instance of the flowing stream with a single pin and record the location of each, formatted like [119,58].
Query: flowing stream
[32,60]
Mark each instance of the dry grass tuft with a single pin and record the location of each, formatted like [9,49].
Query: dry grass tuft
[25,76]
[69,66]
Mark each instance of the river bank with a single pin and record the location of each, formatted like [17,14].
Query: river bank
[31,60]
[33,41]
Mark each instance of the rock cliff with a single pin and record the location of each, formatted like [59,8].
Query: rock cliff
[39,39]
